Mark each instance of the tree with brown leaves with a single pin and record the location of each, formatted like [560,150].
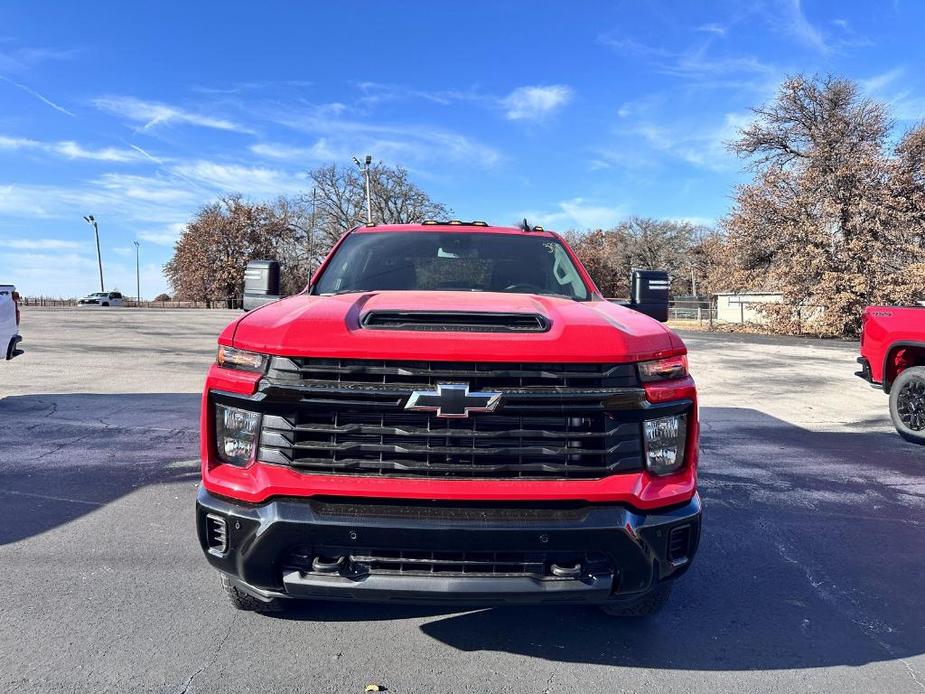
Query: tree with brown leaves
[641,242]
[832,220]
[214,248]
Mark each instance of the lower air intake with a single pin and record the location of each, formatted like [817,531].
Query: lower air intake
[679,544]
[216,534]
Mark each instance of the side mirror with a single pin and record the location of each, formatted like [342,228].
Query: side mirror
[649,293]
[261,283]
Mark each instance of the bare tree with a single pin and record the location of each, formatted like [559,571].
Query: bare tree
[340,201]
[214,248]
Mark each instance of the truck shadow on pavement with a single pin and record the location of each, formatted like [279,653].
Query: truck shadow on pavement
[63,456]
[810,557]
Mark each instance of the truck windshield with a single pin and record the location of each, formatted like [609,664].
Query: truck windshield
[445,261]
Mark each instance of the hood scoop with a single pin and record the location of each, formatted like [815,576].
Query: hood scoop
[456,321]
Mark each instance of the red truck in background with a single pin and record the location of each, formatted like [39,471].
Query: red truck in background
[893,358]
[450,413]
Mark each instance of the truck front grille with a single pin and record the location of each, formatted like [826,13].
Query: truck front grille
[559,421]
[479,375]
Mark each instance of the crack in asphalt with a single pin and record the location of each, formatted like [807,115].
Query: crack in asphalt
[212,660]
[53,498]
[830,593]
[62,446]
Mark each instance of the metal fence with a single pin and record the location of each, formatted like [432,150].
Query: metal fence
[702,311]
[232,302]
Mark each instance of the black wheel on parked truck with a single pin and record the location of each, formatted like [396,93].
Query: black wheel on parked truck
[244,601]
[648,604]
[907,404]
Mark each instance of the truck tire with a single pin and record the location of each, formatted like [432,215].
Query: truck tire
[248,603]
[648,604]
[907,404]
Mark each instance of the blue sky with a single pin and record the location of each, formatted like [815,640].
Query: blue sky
[574,114]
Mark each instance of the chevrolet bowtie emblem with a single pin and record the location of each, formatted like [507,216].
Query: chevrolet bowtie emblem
[452,400]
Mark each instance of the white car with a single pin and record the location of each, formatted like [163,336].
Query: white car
[9,321]
[102,299]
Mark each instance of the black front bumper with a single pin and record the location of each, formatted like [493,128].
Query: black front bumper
[353,549]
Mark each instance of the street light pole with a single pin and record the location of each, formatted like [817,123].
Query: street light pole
[365,168]
[89,219]
[137,273]
[311,236]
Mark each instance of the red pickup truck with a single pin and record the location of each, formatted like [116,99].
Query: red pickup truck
[450,413]
[893,358]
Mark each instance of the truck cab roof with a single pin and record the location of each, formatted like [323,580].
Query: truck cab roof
[456,226]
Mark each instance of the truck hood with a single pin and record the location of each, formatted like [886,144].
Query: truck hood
[330,326]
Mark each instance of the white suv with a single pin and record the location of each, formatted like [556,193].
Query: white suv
[102,299]
[9,322]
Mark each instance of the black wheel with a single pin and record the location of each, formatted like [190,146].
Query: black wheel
[244,601]
[648,604]
[907,404]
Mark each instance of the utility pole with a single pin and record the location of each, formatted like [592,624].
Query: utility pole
[89,219]
[311,236]
[137,273]
[365,169]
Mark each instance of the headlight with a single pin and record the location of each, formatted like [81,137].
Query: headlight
[236,433]
[232,358]
[663,369]
[666,438]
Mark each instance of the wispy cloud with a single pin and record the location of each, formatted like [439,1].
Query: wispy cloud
[577,213]
[150,114]
[535,103]
[522,103]
[253,181]
[702,145]
[892,88]
[321,150]
[713,28]
[31,92]
[631,47]
[167,236]
[130,199]
[243,87]
[790,18]
[14,59]
[398,142]
[69,149]
[375,93]
[147,189]
[40,244]
[875,84]
[699,65]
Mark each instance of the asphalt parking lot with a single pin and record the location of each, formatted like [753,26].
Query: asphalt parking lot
[809,576]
